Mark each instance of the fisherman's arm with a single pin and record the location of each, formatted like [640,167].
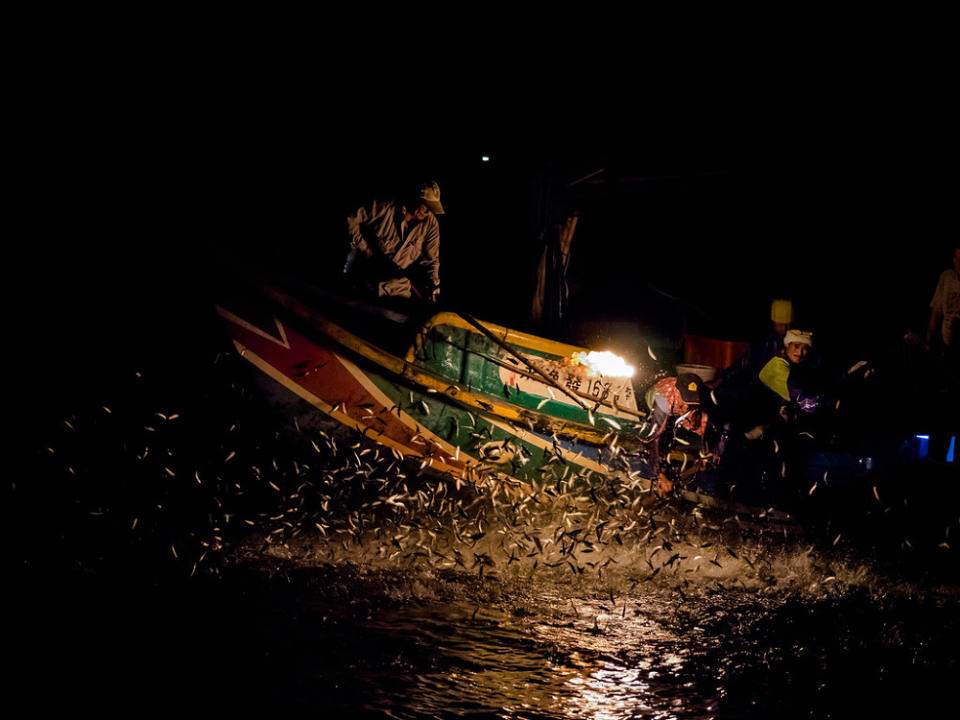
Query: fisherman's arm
[430,258]
[357,224]
[659,407]
[936,312]
[806,398]
[936,318]
[733,373]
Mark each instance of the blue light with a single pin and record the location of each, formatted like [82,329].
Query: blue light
[924,447]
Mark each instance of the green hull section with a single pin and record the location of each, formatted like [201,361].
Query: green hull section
[498,448]
[479,364]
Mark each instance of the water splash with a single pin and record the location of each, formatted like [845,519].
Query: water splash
[375,587]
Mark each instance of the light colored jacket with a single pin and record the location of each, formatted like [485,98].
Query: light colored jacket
[380,227]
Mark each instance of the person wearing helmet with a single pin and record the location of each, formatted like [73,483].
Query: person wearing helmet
[745,369]
[398,245]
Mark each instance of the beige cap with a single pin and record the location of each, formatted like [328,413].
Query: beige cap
[430,194]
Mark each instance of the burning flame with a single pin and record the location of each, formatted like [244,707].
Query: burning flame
[604,363]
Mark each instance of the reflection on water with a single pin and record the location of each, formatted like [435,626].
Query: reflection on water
[555,650]
[458,660]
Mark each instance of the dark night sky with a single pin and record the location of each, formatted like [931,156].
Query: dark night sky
[840,206]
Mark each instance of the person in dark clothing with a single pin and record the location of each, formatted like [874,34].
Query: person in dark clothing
[739,400]
[746,368]
[677,421]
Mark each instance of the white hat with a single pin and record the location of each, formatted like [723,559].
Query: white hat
[798,336]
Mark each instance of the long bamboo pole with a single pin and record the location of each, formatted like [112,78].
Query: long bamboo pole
[550,381]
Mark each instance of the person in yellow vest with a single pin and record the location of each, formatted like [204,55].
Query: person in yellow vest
[740,401]
[790,376]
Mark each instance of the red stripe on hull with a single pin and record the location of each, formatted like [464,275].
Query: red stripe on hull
[322,373]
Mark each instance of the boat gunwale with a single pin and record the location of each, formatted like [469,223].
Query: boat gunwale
[510,337]
[526,340]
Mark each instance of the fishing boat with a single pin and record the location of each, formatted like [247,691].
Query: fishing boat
[470,399]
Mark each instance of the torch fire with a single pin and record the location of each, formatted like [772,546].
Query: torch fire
[604,363]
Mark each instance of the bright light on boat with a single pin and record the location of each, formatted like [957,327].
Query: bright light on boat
[604,363]
[485,158]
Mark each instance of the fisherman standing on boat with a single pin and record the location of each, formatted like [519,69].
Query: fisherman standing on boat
[945,309]
[943,342]
[397,246]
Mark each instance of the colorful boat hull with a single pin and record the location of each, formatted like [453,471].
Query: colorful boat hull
[331,379]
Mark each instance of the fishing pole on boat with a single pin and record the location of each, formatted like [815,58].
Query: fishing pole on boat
[549,380]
